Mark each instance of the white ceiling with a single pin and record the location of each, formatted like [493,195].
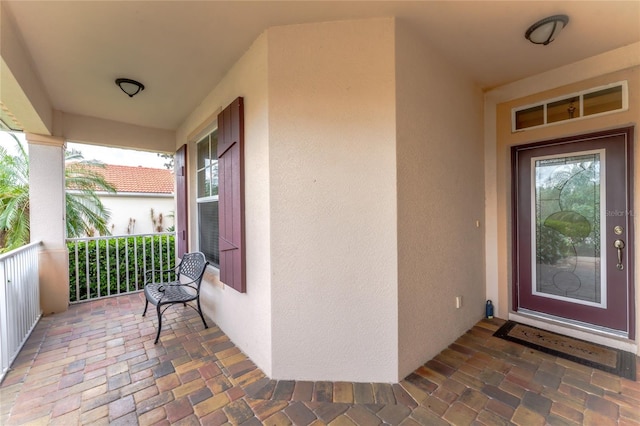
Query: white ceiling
[181,49]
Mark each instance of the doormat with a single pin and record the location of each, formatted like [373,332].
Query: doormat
[590,354]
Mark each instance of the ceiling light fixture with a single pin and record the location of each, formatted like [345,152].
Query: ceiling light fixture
[546,30]
[130,87]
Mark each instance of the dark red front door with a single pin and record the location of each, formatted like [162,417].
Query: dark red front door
[573,221]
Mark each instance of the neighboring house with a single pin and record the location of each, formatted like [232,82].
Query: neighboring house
[139,189]
[375,185]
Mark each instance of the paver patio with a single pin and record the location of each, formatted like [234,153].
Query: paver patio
[97,364]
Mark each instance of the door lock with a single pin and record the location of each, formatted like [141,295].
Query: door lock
[619,244]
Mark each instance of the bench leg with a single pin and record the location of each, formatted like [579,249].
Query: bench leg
[202,316]
[159,323]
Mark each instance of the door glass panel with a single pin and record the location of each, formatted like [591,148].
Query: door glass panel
[567,227]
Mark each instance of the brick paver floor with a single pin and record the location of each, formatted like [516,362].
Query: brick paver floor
[97,364]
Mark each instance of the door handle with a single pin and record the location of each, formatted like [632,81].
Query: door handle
[619,244]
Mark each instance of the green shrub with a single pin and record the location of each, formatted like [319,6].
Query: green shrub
[118,264]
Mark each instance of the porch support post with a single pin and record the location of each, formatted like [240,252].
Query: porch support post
[47,219]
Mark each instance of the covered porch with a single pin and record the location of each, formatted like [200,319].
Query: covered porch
[96,364]
[377,184]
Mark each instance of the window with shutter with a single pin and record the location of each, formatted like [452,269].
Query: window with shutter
[231,195]
[180,171]
[207,197]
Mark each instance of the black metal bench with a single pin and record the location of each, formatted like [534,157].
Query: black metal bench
[183,288]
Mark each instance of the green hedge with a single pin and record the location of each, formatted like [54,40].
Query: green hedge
[151,252]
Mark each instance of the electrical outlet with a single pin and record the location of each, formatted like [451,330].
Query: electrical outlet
[458,302]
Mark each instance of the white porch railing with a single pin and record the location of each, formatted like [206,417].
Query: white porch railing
[19,301]
[108,266]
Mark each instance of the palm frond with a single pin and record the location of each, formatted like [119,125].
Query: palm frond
[84,209]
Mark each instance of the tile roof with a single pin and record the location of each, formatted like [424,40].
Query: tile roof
[138,179]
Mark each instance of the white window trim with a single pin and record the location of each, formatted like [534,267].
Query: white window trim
[207,198]
[210,198]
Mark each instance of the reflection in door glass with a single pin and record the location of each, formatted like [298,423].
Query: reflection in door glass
[567,227]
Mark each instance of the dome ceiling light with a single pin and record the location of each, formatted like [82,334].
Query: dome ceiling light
[547,29]
[130,87]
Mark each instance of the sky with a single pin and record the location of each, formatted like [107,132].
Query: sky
[122,157]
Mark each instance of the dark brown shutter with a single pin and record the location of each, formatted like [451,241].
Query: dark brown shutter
[231,195]
[180,169]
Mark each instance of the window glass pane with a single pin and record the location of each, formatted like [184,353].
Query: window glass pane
[214,178]
[530,117]
[208,227]
[214,163]
[203,153]
[202,180]
[603,101]
[564,109]
[208,183]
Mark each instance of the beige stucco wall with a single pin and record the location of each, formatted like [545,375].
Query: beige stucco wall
[333,205]
[124,207]
[440,198]
[321,299]
[611,67]
[245,318]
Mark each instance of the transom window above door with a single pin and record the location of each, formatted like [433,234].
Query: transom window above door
[587,103]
